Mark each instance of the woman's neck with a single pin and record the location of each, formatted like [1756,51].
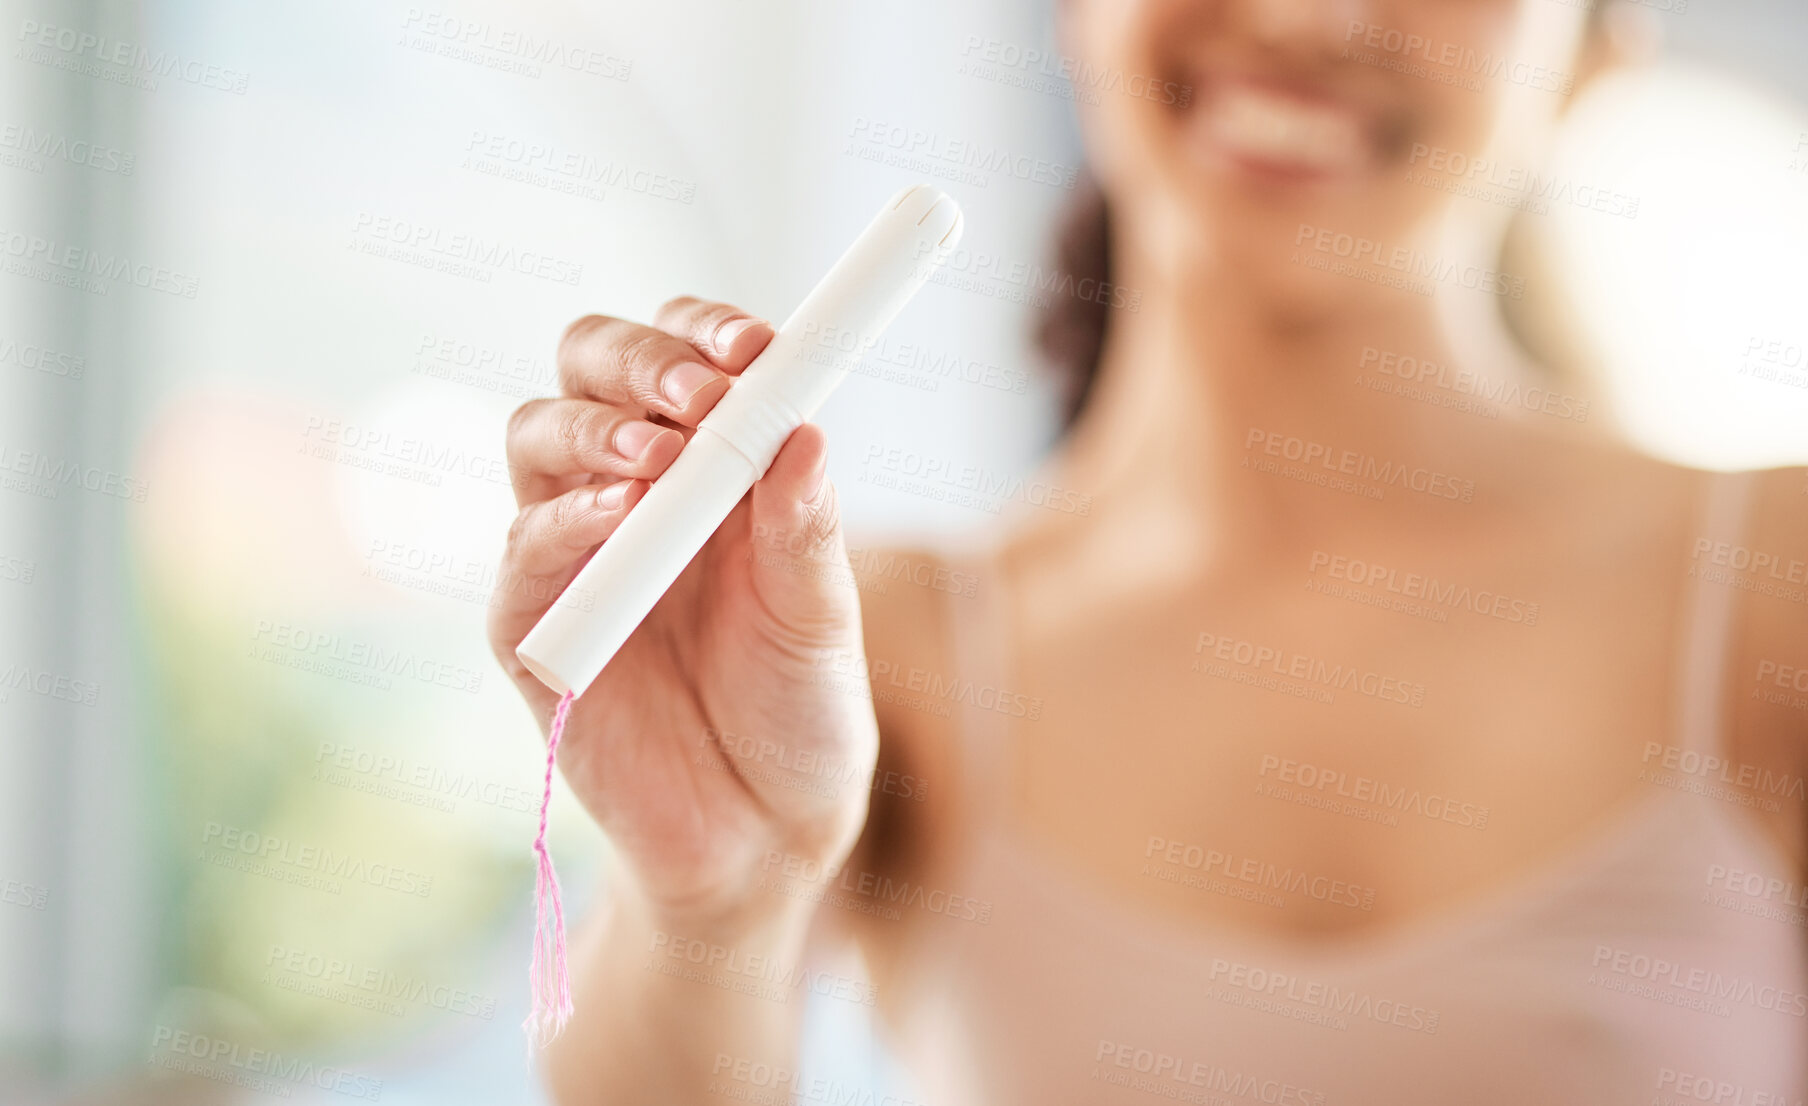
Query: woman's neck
[1204,391]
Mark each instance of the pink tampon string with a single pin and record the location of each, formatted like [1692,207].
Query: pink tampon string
[548,976]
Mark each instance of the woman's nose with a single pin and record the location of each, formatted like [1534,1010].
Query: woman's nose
[1297,24]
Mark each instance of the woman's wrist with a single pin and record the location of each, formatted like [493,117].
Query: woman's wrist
[758,916]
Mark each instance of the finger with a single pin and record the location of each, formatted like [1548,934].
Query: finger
[800,567]
[547,544]
[636,366]
[555,443]
[730,337]
[799,471]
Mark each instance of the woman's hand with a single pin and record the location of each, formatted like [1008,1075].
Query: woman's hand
[724,730]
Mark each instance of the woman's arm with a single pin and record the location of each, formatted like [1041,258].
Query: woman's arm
[675,749]
[677,1012]
[1769,731]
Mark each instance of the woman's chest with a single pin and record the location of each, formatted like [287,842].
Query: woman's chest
[1392,762]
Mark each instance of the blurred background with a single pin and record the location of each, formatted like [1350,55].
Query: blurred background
[272,278]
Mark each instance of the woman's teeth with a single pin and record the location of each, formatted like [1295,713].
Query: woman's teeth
[1281,129]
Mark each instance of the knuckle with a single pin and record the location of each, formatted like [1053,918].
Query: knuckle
[583,432]
[822,520]
[564,511]
[640,356]
[710,321]
[677,307]
[519,533]
[583,349]
[644,359]
[521,418]
[577,331]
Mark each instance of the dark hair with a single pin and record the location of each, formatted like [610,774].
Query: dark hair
[1071,330]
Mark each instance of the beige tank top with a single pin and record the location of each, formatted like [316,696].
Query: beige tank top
[1615,974]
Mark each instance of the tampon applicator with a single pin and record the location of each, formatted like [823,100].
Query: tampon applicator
[733,446]
[735,443]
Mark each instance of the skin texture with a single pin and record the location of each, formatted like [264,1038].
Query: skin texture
[1234,340]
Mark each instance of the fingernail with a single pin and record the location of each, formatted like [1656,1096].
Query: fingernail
[730,330]
[683,382]
[634,438]
[612,495]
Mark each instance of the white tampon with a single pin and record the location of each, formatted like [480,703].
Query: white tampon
[735,443]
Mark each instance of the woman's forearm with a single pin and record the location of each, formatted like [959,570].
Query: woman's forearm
[676,1013]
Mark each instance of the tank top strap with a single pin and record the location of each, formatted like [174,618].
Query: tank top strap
[979,689]
[1710,607]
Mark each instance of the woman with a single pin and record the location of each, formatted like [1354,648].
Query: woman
[1344,747]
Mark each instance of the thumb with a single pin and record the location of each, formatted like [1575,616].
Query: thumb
[800,566]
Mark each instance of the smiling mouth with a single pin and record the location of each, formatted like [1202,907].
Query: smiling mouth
[1277,133]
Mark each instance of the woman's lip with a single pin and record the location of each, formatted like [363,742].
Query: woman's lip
[1283,129]
[1317,93]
